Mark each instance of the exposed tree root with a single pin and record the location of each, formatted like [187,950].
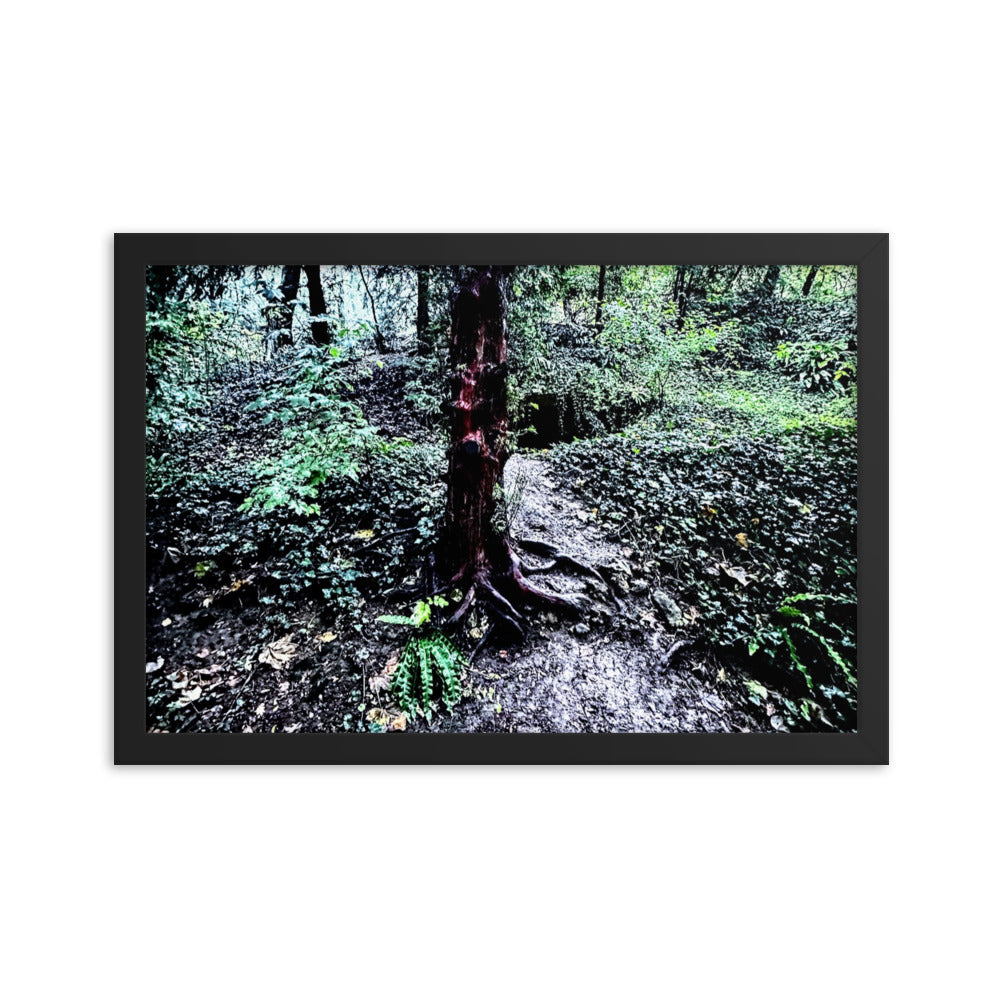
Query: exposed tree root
[503,586]
[557,558]
[460,611]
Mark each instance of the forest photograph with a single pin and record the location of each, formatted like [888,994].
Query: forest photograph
[390,499]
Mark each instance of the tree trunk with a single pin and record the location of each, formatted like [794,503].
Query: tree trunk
[317,305]
[810,278]
[680,293]
[284,312]
[478,361]
[380,343]
[770,282]
[601,280]
[425,346]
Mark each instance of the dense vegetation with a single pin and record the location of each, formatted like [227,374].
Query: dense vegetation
[699,421]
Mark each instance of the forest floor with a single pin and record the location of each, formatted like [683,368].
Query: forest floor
[217,662]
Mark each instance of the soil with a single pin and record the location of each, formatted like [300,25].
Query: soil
[631,662]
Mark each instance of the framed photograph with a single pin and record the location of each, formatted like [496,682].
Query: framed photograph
[609,499]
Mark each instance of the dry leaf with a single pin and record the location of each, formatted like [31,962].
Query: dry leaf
[259,710]
[740,575]
[326,637]
[741,541]
[277,654]
[203,653]
[191,694]
[364,533]
[379,716]
[165,622]
[397,723]
[379,682]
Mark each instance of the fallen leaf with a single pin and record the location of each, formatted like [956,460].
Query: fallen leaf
[259,710]
[191,694]
[397,723]
[741,541]
[150,667]
[165,622]
[740,575]
[203,653]
[364,533]
[277,654]
[207,602]
[379,716]
[379,682]
[326,637]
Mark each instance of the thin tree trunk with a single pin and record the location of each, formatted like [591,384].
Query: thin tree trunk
[291,275]
[680,294]
[379,339]
[478,453]
[601,279]
[317,305]
[424,345]
[770,282]
[810,278]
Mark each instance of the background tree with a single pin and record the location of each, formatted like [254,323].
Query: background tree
[770,283]
[424,343]
[281,315]
[601,282]
[317,305]
[380,341]
[810,278]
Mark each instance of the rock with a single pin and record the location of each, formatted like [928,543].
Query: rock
[581,628]
[670,608]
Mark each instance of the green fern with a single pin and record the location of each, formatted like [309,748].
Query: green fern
[430,667]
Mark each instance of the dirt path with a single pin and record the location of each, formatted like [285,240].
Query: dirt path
[608,671]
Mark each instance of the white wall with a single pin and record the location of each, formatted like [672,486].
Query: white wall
[686,882]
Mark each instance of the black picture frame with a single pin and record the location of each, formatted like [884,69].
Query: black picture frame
[869,745]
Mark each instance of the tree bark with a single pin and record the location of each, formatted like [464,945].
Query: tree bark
[681,294]
[770,282]
[380,343]
[601,281]
[317,305]
[284,312]
[424,345]
[478,361]
[810,278]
